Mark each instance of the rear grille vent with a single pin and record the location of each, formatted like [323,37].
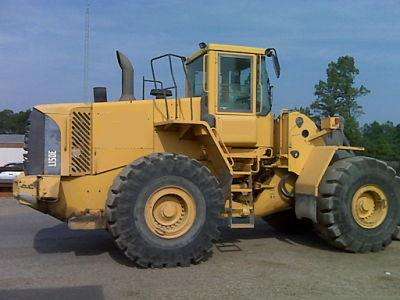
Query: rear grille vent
[81,142]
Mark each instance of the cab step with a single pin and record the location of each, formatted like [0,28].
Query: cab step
[241,190]
[241,172]
[242,223]
[245,188]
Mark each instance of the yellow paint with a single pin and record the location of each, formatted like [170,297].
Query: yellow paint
[228,48]
[238,131]
[271,200]
[265,131]
[25,190]
[314,169]
[170,212]
[330,123]
[123,131]
[83,193]
[369,206]
[48,187]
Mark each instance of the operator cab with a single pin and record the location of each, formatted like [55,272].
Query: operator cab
[232,81]
[241,74]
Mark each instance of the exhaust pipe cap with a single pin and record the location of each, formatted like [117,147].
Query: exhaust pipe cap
[127,77]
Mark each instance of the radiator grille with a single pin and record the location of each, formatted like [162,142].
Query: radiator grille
[81,143]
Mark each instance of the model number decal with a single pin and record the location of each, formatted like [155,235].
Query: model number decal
[52,158]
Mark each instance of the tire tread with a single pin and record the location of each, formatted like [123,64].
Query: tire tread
[331,224]
[129,242]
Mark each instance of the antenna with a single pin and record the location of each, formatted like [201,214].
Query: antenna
[86,53]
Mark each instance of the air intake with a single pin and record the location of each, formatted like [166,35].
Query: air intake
[81,142]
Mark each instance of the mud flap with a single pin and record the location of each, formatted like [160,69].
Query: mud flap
[306,207]
[396,235]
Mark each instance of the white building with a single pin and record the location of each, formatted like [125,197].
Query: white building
[11,148]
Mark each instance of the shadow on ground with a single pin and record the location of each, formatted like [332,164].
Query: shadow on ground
[60,238]
[231,238]
[66,293]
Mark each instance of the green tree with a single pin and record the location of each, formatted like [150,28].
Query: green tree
[11,122]
[305,110]
[338,96]
[382,141]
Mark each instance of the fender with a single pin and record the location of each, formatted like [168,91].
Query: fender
[315,168]
[214,149]
[310,177]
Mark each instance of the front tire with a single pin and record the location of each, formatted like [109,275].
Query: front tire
[164,210]
[358,208]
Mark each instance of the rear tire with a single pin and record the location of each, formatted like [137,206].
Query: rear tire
[175,229]
[358,208]
[396,235]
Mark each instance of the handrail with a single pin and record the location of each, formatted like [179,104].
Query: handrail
[175,87]
[148,80]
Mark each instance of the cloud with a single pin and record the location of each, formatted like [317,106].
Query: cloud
[41,44]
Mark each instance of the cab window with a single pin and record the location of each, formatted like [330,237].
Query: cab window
[195,74]
[234,84]
[264,89]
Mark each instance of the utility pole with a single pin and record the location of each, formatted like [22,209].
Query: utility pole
[86,53]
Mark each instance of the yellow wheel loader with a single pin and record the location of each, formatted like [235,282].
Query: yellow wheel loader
[164,172]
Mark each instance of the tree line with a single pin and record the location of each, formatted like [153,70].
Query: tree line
[13,122]
[337,95]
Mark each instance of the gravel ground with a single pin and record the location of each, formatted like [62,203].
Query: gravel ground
[41,258]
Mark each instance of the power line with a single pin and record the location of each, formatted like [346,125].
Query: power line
[86,53]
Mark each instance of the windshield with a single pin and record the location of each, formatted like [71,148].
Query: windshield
[194,86]
[235,83]
[264,89]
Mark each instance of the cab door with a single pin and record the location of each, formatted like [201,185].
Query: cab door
[235,111]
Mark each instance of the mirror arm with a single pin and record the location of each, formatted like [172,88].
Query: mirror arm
[271,52]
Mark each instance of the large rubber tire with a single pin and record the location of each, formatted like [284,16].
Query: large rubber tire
[336,223]
[396,235]
[126,210]
[286,222]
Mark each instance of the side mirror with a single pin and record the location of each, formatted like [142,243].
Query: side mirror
[271,52]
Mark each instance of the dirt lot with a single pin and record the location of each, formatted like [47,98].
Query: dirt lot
[40,258]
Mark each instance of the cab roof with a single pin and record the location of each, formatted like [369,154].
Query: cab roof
[226,48]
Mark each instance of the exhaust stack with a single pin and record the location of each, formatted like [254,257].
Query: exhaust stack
[127,77]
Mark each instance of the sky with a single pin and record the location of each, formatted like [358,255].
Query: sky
[42,42]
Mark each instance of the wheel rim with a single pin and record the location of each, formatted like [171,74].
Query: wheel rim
[369,206]
[170,212]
